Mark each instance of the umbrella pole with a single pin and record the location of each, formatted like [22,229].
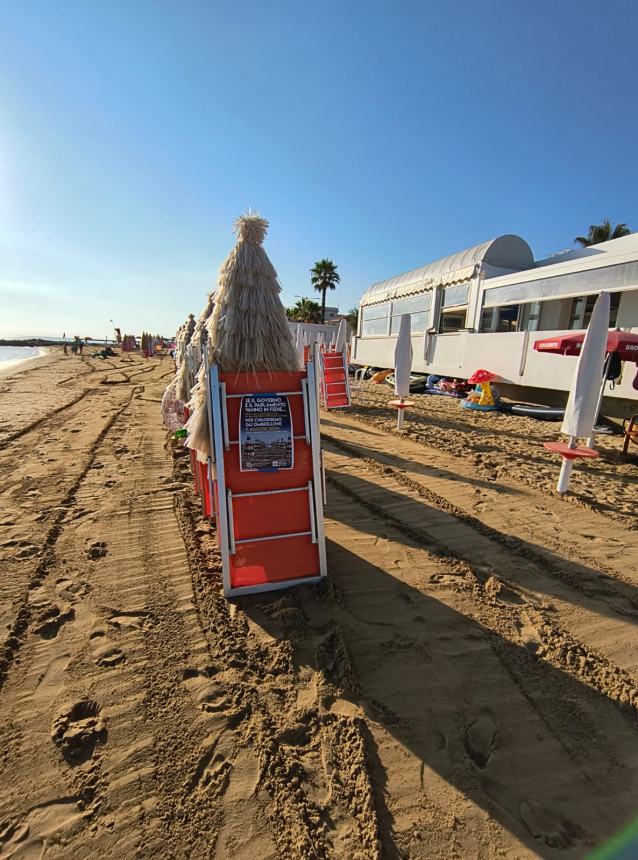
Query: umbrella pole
[400,412]
[566,469]
[590,441]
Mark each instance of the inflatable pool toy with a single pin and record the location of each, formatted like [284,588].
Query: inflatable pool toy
[380,376]
[482,398]
[541,413]
[478,407]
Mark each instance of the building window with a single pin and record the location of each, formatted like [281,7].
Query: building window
[419,309]
[452,320]
[375,320]
[504,318]
[530,316]
[582,307]
[455,295]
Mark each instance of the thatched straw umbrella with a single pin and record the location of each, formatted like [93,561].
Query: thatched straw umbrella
[184,338]
[196,397]
[248,331]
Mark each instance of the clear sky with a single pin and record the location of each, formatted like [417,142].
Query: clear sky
[381,134]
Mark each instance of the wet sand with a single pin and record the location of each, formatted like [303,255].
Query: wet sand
[464,685]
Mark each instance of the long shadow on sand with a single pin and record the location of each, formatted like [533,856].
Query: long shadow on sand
[552,760]
[419,468]
[436,421]
[532,450]
[517,562]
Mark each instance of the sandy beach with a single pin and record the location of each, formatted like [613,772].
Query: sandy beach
[463,686]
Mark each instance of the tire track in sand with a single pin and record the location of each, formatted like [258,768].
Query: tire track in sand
[600,600]
[24,614]
[544,635]
[394,708]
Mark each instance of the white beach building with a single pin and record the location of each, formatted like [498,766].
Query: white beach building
[485,307]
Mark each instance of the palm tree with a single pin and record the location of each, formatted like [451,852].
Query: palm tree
[352,318]
[305,311]
[324,277]
[602,233]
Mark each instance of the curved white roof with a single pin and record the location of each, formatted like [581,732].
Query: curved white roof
[509,253]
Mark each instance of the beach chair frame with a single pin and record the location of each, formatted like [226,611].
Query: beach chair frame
[283,502]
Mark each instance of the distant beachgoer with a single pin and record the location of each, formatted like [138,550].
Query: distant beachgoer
[80,346]
[66,351]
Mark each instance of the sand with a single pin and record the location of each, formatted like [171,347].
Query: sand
[464,685]
[509,448]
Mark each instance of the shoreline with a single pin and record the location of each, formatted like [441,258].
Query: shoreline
[14,365]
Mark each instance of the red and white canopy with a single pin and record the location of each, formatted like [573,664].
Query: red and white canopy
[624,343]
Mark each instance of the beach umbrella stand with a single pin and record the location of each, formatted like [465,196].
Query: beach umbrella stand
[569,451]
[401,405]
[584,396]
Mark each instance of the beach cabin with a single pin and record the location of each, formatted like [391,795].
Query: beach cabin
[485,307]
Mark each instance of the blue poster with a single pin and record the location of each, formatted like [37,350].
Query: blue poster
[265,433]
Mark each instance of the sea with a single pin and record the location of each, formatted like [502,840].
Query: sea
[12,356]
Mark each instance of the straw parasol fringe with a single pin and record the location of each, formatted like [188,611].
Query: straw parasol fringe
[172,408]
[200,334]
[248,329]
[197,425]
[184,335]
[182,389]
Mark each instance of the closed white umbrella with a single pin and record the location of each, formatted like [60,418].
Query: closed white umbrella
[342,332]
[582,405]
[403,365]
[299,342]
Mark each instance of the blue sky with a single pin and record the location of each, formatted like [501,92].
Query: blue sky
[379,134]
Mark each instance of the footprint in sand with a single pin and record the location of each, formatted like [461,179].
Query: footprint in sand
[212,772]
[207,693]
[77,730]
[105,652]
[29,836]
[109,656]
[481,740]
[12,832]
[72,590]
[529,635]
[135,618]
[549,826]
[497,590]
[51,619]
[96,549]
[24,548]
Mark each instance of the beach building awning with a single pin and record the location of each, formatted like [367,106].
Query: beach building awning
[508,253]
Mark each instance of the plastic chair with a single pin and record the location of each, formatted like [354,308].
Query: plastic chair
[631,432]
[358,378]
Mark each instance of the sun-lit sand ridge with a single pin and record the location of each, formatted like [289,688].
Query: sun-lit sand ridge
[464,685]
